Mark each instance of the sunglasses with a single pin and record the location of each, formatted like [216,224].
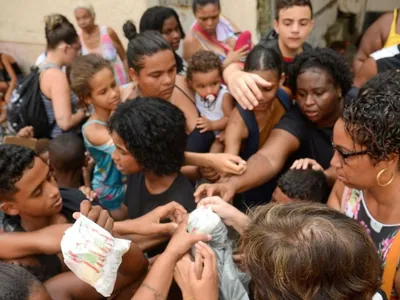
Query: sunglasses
[345,155]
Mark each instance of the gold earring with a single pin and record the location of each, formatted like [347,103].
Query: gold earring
[378,178]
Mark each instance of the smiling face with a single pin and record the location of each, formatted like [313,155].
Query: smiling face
[172,32]
[317,95]
[37,194]
[122,158]
[157,77]
[294,25]
[104,91]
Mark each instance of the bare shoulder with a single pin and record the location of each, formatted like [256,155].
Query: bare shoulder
[97,134]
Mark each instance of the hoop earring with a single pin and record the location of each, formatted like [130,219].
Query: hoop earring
[378,178]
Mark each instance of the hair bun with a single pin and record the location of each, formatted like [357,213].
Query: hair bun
[53,21]
[130,30]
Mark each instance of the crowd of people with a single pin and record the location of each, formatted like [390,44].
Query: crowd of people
[296,152]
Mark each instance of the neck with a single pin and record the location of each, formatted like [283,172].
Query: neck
[33,224]
[158,184]
[71,180]
[90,29]
[101,114]
[53,58]
[288,52]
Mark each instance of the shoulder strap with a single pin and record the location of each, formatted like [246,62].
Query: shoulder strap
[48,65]
[212,39]
[184,93]
[253,140]
[284,99]
[389,271]
[94,122]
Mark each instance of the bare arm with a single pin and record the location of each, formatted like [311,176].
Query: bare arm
[59,93]
[335,198]
[13,77]
[235,132]
[373,40]
[368,70]
[227,107]
[120,48]
[190,46]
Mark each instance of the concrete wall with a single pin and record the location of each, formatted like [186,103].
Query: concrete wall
[22,34]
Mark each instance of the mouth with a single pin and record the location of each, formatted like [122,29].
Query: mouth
[311,114]
[168,92]
[58,203]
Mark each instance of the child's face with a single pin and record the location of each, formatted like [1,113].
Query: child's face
[268,93]
[294,25]
[104,91]
[123,159]
[206,83]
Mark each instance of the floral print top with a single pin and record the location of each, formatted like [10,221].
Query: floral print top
[383,235]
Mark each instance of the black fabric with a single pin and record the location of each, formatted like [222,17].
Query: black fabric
[26,108]
[270,40]
[179,63]
[200,142]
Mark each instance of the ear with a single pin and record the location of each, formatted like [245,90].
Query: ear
[312,24]
[87,100]
[339,90]
[9,208]
[276,26]
[134,76]
[282,79]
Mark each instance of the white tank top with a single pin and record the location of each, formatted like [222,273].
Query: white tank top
[214,112]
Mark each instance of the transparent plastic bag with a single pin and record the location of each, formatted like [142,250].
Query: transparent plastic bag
[93,254]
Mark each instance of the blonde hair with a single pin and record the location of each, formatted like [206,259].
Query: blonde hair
[86,5]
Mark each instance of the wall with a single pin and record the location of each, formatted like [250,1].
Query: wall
[22,35]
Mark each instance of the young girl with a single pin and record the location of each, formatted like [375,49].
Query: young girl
[92,79]
[248,130]
[213,100]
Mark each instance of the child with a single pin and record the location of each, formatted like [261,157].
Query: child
[292,26]
[213,101]
[248,130]
[93,81]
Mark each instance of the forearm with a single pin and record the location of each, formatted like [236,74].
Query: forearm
[219,124]
[146,243]
[231,69]
[191,172]
[241,223]
[154,285]
[197,159]
[68,122]
[127,227]
[134,263]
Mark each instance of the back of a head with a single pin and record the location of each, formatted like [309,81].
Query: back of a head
[154,132]
[285,4]
[261,58]
[306,185]
[145,44]
[16,282]
[14,161]
[67,153]
[200,3]
[58,29]
[154,18]
[308,251]
[83,69]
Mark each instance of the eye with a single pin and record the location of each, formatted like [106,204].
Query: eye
[304,23]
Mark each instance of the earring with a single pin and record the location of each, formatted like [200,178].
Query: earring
[378,178]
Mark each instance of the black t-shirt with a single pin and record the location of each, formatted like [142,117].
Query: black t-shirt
[315,142]
[139,201]
[387,58]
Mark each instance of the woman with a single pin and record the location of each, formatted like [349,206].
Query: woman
[214,33]
[166,21]
[103,40]
[63,47]
[366,160]
[10,75]
[319,80]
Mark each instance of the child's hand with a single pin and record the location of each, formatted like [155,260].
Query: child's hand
[87,191]
[26,132]
[203,124]
[97,214]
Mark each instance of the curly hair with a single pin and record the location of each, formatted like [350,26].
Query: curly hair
[285,4]
[306,185]
[14,161]
[373,118]
[290,250]
[203,62]
[154,132]
[324,59]
[16,282]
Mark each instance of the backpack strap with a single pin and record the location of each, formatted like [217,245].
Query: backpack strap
[389,271]
[284,98]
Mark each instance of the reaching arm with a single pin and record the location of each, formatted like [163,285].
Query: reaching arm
[13,77]
[368,70]
[227,107]
[235,133]
[190,46]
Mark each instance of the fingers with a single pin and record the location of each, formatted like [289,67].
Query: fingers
[169,210]
[303,164]
[198,261]
[211,201]
[166,228]
[209,259]
[85,207]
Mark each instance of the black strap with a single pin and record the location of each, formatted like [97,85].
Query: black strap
[186,95]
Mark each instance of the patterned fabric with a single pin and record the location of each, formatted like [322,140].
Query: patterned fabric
[108,183]
[382,234]
[109,52]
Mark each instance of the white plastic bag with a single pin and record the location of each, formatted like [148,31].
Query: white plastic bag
[93,254]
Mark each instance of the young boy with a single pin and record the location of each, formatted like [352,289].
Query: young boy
[30,196]
[150,139]
[292,25]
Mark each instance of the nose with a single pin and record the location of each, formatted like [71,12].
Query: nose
[209,23]
[209,90]
[167,79]
[336,161]
[114,155]
[53,190]
[295,27]
[309,100]
[176,34]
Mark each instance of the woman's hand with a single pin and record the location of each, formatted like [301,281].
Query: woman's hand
[226,163]
[302,164]
[26,132]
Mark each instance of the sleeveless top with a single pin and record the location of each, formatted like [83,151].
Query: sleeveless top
[393,37]
[48,104]
[108,182]
[225,31]
[214,111]
[354,206]
[108,52]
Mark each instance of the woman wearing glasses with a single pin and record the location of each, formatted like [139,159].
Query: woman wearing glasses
[319,79]
[366,159]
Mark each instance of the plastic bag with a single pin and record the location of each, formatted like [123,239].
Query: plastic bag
[93,254]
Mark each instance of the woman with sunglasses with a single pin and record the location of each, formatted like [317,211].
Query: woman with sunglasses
[319,79]
[366,159]
[63,47]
